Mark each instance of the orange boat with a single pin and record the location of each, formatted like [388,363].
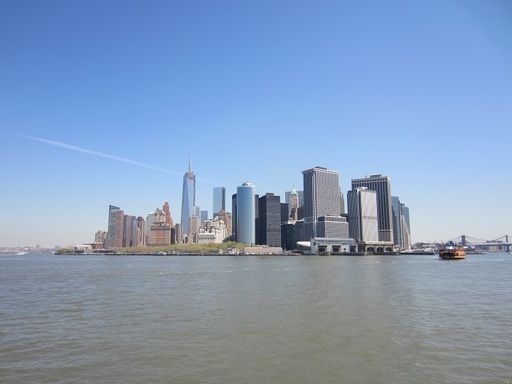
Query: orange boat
[452,253]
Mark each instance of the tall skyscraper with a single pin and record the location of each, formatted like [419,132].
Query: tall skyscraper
[129,231]
[188,200]
[292,198]
[115,227]
[246,214]
[234,211]
[300,195]
[270,220]
[219,200]
[321,197]
[201,215]
[168,217]
[112,219]
[362,214]
[406,228]
[401,226]
[381,185]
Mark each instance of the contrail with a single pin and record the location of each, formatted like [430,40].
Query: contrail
[99,154]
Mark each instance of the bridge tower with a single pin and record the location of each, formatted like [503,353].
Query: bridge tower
[463,240]
[508,244]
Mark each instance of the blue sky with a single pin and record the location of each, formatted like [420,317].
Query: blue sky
[103,102]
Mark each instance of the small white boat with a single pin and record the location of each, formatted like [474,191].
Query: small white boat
[21,253]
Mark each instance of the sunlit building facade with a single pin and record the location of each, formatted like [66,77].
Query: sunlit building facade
[381,185]
[362,214]
[246,214]
[322,197]
[188,200]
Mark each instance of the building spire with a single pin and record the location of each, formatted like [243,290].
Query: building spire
[189,163]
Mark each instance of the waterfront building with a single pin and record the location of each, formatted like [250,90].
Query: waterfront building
[141,231]
[322,197]
[129,231]
[288,236]
[406,228]
[168,217]
[219,200]
[234,210]
[362,214]
[178,234]
[257,239]
[115,227]
[193,230]
[401,224]
[246,214]
[100,236]
[330,246]
[149,223]
[332,227]
[381,185]
[160,231]
[397,221]
[269,219]
[227,218]
[188,200]
[212,231]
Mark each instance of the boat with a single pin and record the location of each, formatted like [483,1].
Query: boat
[22,253]
[452,253]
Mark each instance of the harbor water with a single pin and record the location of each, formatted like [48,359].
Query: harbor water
[255,319]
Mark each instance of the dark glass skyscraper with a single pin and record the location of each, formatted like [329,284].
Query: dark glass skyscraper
[188,200]
[270,220]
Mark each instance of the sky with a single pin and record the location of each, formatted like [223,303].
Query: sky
[105,102]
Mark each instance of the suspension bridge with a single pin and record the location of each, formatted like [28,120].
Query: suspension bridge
[499,244]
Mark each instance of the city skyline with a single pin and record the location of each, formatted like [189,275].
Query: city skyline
[259,91]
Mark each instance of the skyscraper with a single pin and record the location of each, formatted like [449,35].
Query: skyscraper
[270,220]
[401,226]
[406,227]
[168,217]
[321,197]
[129,231]
[188,200]
[219,200]
[362,214]
[115,227]
[141,231]
[381,185]
[160,231]
[292,198]
[246,214]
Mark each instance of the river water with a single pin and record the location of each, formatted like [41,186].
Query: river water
[250,319]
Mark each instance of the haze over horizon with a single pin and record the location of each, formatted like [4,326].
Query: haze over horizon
[105,102]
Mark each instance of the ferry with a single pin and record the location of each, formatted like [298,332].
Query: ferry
[452,253]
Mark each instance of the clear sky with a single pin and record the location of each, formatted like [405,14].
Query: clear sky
[103,102]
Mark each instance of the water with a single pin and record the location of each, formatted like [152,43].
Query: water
[236,319]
